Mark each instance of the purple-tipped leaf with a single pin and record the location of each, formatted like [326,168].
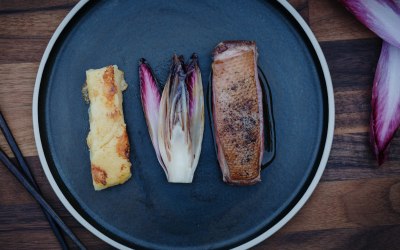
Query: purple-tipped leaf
[380,16]
[150,95]
[385,116]
[191,80]
[174,126]
[196,106]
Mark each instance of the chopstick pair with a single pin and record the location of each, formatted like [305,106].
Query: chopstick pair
[25,177]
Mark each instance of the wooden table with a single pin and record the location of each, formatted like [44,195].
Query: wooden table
[356,205]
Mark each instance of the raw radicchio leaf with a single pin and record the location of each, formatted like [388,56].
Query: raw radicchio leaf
[380,16]
[383,18]
[385,115]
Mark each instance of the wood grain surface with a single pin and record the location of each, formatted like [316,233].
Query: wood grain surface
[355,206]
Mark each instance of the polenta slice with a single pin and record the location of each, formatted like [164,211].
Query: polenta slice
[107,140]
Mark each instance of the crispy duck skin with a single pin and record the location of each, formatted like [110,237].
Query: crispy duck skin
[238,111]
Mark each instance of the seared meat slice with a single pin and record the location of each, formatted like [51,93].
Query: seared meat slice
[238,111]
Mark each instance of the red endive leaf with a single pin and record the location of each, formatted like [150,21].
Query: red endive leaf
[150,95]
[385,115]
[194,85]
[196,106]
[174,126]
[380,16]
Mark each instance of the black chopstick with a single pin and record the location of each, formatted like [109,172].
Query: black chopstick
[25,168]
[28,186]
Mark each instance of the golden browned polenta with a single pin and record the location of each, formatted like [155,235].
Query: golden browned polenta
[107,140]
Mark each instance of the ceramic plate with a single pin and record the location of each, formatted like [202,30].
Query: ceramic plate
[147,211]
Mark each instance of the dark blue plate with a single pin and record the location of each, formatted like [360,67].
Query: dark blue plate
[147,211]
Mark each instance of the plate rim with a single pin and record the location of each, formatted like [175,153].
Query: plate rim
[296,208]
